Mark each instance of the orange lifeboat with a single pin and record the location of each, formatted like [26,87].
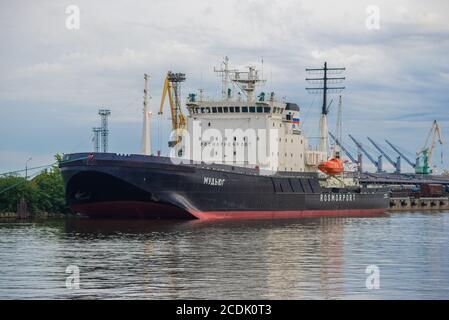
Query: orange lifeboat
[332,166]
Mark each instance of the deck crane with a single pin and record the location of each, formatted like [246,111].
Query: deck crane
[172,89]
[411,163]
[424,155]
[357,161]
[377,163]
[396,164]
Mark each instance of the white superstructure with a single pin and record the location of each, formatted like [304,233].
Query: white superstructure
[244,123]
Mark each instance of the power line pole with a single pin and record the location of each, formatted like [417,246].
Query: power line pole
[26,167]
[322,85]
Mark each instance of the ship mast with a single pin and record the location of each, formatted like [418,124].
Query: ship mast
[338,130]
[146,129]
[225,72]
[246,81]
[323,86]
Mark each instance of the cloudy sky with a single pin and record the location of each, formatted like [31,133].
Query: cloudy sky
[54,79]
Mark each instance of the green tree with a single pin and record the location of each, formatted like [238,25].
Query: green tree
[12,189]
[45,192]
[50,196]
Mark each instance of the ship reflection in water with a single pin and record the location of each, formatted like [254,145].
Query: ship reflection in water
[289,259]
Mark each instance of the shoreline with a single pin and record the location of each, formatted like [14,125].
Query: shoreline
[40,215]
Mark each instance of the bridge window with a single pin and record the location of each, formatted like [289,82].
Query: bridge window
[252,109]
[266,109]
[244,109]
[231,109]
[225,109]
[237,109]
[259,109]
[220,109]
[214,109]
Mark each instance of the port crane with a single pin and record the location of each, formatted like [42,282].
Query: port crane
[424,155]
[411,163]
[396,164]
[377,163]
[346,151]
[172,89]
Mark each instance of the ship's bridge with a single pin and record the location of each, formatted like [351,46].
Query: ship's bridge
[230,107]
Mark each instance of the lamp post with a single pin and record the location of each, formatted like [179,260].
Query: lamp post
[26,168]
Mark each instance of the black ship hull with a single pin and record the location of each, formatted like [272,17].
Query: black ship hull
[135,186]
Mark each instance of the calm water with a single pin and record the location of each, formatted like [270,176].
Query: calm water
[294,259]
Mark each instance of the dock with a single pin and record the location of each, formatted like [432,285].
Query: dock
[419,204]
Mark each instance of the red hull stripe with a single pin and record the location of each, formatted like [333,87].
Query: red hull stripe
[135,209]
[285,214]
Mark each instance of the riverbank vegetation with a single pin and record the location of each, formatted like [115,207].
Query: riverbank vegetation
[44,193]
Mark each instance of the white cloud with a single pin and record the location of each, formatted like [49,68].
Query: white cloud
[66,75]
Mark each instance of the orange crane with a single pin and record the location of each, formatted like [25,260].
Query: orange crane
[172,89]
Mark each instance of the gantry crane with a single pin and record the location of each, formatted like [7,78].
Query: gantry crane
[424,155]
[396,164]
[172,89]
[377,163]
